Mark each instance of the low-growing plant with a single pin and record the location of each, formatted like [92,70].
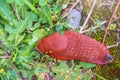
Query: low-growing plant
[22,24]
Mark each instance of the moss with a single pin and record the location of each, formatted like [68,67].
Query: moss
[109,71]
[98,36]
[98,13]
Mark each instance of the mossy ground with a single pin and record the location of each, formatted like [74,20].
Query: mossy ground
[112,70]
[109,71]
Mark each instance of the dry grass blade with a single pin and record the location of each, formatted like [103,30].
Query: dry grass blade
[89,14]
[73,6]
[110,21]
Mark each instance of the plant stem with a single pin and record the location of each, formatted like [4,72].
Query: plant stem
[32,7]
[16,12]
[7,54]
[81,29]
[110,21]
[93,27]
[99,76]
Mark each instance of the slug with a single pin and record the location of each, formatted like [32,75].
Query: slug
[75,46]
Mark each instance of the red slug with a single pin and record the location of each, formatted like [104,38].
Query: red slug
[74,46]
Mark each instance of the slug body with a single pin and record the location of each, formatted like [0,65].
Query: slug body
[74,46]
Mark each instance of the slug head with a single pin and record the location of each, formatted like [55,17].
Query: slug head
[109,58]
[55,43]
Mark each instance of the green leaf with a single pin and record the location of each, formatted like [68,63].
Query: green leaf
[20,28]
[2,33]
[5,11]
[37,25]
[86,77]
[1,51]
[86,65]
[25,51]
[112,27]
[43,19]
[19,38]
[97,23]
[42,2]
[19,2]
[12,74]
[32,17]
[9,29]
[46,11]
[25,58]
[4,63]
[41,69]
[59,27]
[36,1]
[28,73]
[62,67]
[32,7]
[9,1]
[27,66]
[38,35]
[61,31]
[23,25]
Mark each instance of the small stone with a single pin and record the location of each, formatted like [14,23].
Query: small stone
[74,18]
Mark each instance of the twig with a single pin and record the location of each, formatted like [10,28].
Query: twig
[93,27]
[73,6]
[16,12]
[4,57]
[92,19]
[110,21]
[99,76]
[7,54]
[113,45]
[81,29]
[116,19]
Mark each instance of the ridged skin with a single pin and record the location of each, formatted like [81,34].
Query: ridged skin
[74,46]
